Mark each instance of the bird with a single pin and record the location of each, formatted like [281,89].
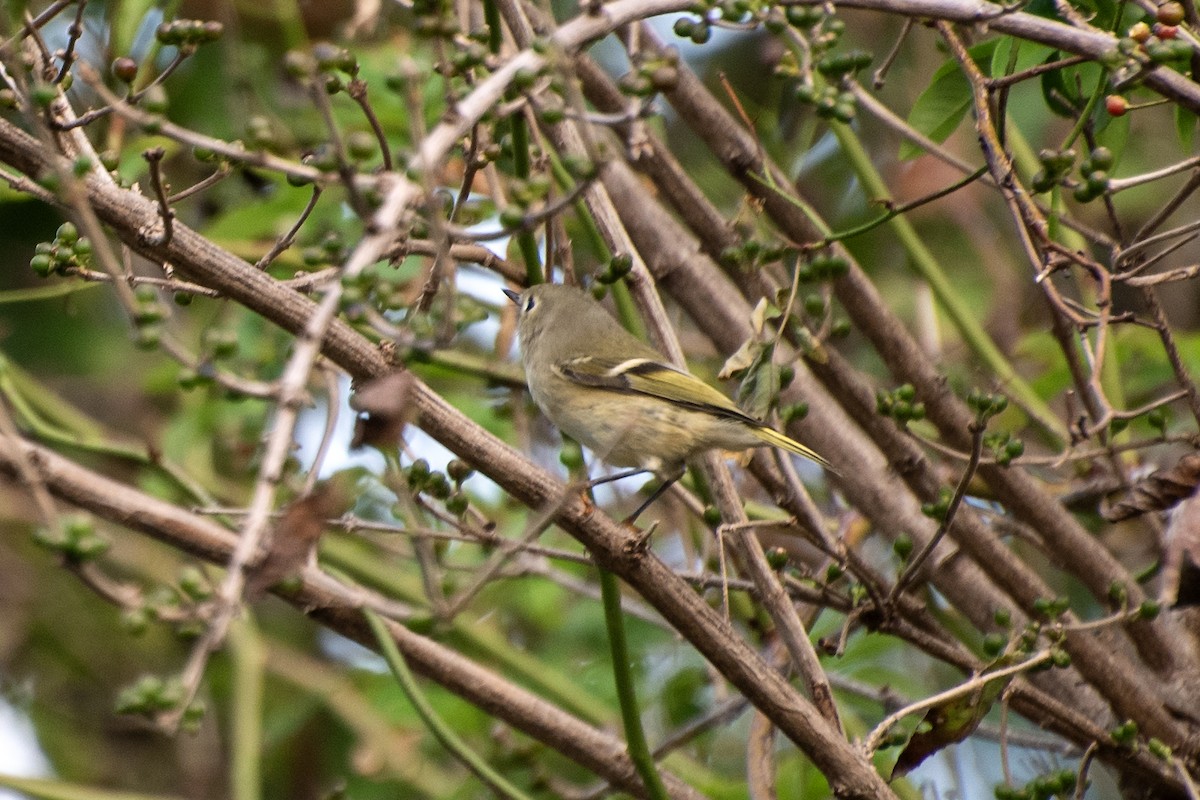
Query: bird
[621,398]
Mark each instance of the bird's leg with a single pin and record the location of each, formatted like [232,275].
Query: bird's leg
[586,487]
[616,476]
[667,480]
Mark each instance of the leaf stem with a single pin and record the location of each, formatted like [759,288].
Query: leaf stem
[635,736]
[437,726]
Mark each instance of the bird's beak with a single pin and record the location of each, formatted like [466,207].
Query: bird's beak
[514,296]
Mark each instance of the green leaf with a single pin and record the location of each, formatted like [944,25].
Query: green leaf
[942,106]
[1028,55]
[1043,8]
[1113,133]
[126,22]
[949,722]
[1185,127]
[1101,14]
[61,790]
[1060,98]
[1066,90]
[46,292]
[760,388]
[685,695]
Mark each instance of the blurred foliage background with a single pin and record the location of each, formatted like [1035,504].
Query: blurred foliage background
[78,376]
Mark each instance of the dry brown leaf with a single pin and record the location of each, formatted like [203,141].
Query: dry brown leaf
[1159,491]
[295,536]
[385,403]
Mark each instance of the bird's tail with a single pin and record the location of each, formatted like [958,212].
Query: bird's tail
[776,439]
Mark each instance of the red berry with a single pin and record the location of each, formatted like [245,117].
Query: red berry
[1116,105]
[124,69]
[1165,32]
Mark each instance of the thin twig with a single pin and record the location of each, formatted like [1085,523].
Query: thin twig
[1004,81]
[1121,184]
[74,32]
[1081,780]
[36,23]
[871,743]
[154,157]
[321,100]
[357,89]
[878,76]
[960,492]
[285,241]
[222,172]
[1170,276]
[329,377]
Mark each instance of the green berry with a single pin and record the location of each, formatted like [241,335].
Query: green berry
[43,94]
[814,305]
[135,621]
[1159,748]
[438,486]
[155,99]
[42,264]
[360,145]
[994,644]
[459,470]
[193,584]
[794,412]
[1043,181]
[418,473]
[777,558]
[806,93]
[571,456]
[837,267]
[67,234]
[512,217]
[1125,733]
[457,503]
[1102,158]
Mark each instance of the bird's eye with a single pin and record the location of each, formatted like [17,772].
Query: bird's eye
[529,303]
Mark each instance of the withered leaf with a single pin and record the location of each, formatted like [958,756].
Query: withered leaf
[295,535]
[386,410]
[1182,555]
[1159,491]
[742,359]
[751,350]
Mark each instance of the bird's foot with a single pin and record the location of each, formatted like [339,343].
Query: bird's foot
[641,543]
[589,507]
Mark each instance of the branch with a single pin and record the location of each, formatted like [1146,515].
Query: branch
[339,607]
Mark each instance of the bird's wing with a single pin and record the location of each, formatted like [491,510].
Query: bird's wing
[648,376]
